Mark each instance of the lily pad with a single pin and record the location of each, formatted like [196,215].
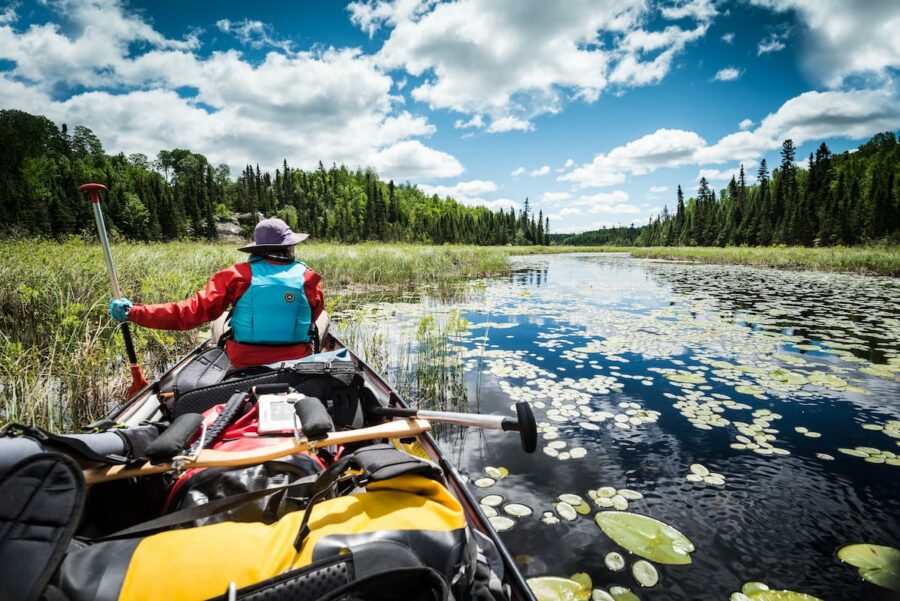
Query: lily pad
[492,500]
[571,499]
[501,523]
[554,588]
[645,574]
[614,561]
[646,537]
[700,470]
[566,511]
[877,564]
[517,510]
[829,381]
[621,593]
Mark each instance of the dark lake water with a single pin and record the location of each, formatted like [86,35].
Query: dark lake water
[637,370]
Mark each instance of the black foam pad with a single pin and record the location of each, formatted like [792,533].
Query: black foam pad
[314,418]
[175,439]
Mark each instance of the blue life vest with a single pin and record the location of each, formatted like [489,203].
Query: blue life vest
[274,309]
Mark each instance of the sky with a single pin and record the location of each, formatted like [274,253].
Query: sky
[594,110]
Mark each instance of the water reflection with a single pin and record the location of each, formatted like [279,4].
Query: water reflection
[730,367]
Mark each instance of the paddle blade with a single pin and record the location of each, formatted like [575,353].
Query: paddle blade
[138,382]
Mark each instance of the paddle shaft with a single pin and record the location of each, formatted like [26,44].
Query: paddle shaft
[212,458]
[137,377]
[523,423]
[475,420]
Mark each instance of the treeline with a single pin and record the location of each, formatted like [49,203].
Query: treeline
[850,198]
[179,194]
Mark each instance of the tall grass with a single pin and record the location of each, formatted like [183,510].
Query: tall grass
[880,260]
[61,361]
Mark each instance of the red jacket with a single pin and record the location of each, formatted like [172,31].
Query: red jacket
[221,292]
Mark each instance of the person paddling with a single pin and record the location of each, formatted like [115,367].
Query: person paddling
[275,301]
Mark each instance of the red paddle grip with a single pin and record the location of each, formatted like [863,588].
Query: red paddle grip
[93,191]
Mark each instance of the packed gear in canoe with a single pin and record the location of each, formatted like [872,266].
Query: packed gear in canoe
[286,483]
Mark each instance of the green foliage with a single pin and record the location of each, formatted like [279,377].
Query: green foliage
[845,199]
[180,194]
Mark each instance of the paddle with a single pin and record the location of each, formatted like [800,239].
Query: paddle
[212,458]
[137,376]
[523,423]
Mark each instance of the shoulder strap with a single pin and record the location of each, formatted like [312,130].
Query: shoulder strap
[191,514]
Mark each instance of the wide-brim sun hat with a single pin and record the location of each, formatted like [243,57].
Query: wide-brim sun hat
[273,234]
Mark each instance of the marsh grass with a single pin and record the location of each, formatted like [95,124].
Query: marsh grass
[874,260]
[61,360]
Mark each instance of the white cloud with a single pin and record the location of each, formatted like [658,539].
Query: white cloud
[477,121]
[371,15]
[725,175]
[469,189]
[471,193]
[513,60]
[658,189]
[603,198]
[773,43]
[566,212]
[411,159]
[333,105]
[854,114]
[701,10]
[255,34]
[8,16]
[727,74]
[509,123]
[728,38]
[596,225]
[616,209]
[568,164]
[662,148]
[846,38]
[517,171]
[555,196]
[745,124]
[540,171]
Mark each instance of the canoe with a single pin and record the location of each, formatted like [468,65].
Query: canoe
[144,406]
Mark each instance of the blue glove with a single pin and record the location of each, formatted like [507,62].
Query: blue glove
[119,307]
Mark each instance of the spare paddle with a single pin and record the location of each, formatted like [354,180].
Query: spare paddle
[137,376]
[212,458]
[523,423]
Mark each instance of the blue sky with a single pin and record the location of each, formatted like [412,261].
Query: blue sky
[595,110]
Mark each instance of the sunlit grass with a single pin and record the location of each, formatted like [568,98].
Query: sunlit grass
[881,260]
[61,360]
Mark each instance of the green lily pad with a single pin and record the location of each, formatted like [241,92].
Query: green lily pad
[621,593]
[753,587]
[501,523]
[614,561]
[645,574]
[582,578]
[646,537]
[518,510]
[877,564]
[554,588]
[829,381]
[566,511]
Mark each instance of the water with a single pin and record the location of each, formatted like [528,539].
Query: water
[711,349]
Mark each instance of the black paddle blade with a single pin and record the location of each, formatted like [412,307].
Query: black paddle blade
[527,426]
